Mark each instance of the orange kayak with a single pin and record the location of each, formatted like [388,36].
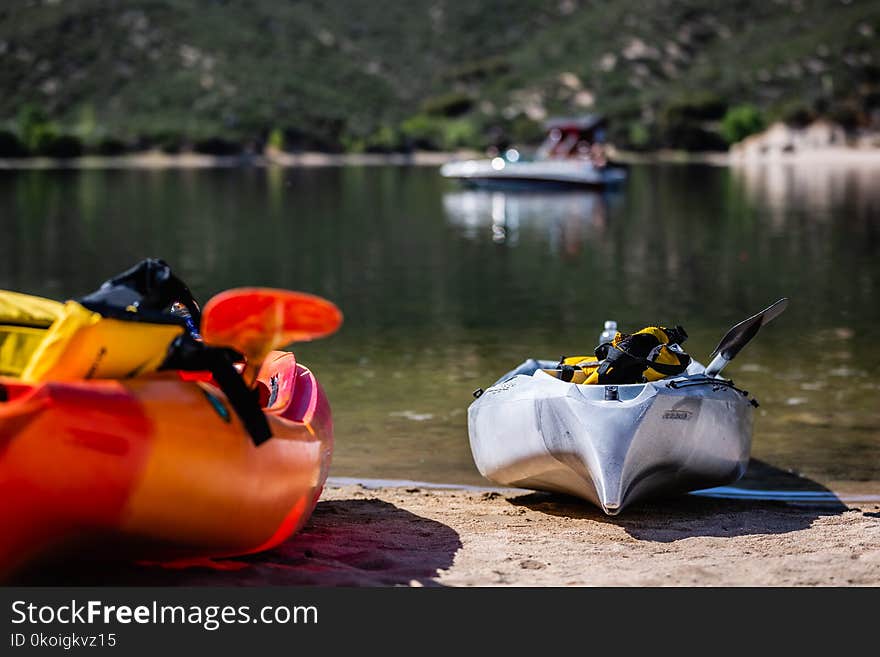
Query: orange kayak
[157,467]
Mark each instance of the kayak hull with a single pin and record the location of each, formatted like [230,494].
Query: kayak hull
[157,468]
[611,445]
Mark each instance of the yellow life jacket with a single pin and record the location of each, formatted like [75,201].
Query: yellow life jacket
[129,327]
[42,339]
[649,354]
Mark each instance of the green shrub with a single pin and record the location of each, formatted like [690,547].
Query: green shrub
[384,140]
[276,139]
[435,133]
[34,128]
[638,136]
[741,121]
[87,127]
[40,137]
[461,133]
[353,144]
[423,131]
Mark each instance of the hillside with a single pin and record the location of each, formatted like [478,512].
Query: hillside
[388,74]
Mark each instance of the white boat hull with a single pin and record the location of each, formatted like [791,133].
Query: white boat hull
[532,430]
[560,172]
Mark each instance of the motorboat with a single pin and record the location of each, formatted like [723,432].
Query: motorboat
[572,154]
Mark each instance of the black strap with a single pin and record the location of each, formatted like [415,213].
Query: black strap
[620,366]
[244,400]
[677,334]
[669,369]
[143,294]
[566,372]
[622,360]
[188,354]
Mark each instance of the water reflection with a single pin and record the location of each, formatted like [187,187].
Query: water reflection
[566,219]
[816,188]
[445,289]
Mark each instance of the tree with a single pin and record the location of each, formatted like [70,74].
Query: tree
[741,121]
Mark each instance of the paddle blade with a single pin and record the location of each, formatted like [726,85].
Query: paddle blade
[257,320]
[740,335]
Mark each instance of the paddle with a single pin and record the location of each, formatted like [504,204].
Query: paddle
[257,320]
[740,335]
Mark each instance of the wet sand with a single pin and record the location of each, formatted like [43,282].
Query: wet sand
[417,536]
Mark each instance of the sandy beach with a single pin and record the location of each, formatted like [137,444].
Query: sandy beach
[361,535]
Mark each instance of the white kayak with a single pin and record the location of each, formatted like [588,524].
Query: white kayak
[569,172]
[616,444]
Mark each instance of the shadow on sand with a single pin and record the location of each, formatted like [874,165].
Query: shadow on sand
[686,516]
[354,542]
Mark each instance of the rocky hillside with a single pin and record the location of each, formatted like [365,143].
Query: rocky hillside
[391,74]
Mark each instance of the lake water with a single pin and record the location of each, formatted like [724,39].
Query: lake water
[445,289]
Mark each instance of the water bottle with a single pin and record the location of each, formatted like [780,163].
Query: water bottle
[609,332]
[182,311]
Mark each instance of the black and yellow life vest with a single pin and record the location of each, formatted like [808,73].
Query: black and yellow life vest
[121,331]
[45,340]
[650,354]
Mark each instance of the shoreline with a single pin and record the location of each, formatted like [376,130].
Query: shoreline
[155,160]
[415,534]
[159,160]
